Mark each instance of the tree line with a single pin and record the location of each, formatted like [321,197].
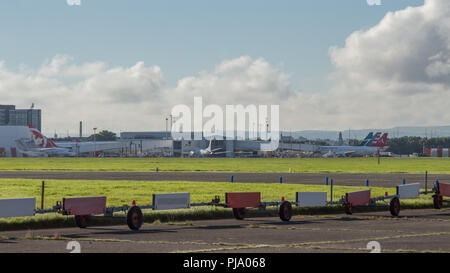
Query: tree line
[409,145]
[104,135]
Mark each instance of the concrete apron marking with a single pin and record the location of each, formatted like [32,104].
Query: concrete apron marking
[384,218]
[106,240]
[311,244]
[256,226]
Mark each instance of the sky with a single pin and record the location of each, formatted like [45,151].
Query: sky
[122,65]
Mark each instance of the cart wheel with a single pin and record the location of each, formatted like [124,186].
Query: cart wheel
[348,208]
[134,218]
[239,213]
[285,211]
[82,221]
[394,206]
[437,201]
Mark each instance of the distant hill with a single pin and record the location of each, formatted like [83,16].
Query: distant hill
[435,131]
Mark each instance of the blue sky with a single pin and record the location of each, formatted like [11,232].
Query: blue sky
[126,64]
[186,37]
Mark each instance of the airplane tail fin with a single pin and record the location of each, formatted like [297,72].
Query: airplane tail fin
[40,140]
[381,141]
[374,139]
[51,144]
[368,138]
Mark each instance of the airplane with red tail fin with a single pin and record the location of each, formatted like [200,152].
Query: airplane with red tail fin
[42,146]
[379,141]
[371,147]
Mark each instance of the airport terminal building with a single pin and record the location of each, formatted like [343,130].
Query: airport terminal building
[162,143]
[8,135]
[11,116]
[14,125]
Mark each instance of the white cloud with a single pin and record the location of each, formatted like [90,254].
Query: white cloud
[395,73]
[237,81]
[114,98]
[439,66]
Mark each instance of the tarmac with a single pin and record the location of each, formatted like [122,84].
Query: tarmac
[425,230]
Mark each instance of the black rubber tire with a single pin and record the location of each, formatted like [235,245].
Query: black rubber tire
[437,201]
[82,221]
[285,211]
[135,219]
[239,213]
[394,206]
[348,208]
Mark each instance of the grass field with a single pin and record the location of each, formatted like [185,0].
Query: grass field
[123,192]
[282,165]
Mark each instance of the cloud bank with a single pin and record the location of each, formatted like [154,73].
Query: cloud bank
[395,73]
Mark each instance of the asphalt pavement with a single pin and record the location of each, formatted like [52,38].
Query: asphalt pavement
[414,231]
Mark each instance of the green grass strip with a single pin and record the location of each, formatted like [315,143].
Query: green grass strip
[263,165]
[123,192]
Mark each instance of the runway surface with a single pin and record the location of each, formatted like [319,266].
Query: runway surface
[415,231]
[347,179]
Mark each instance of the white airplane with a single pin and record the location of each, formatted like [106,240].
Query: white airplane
[369,147]
[206,152]
[46,152]
[43,146]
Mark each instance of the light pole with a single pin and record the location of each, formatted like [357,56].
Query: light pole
[95,145]
[167,132]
